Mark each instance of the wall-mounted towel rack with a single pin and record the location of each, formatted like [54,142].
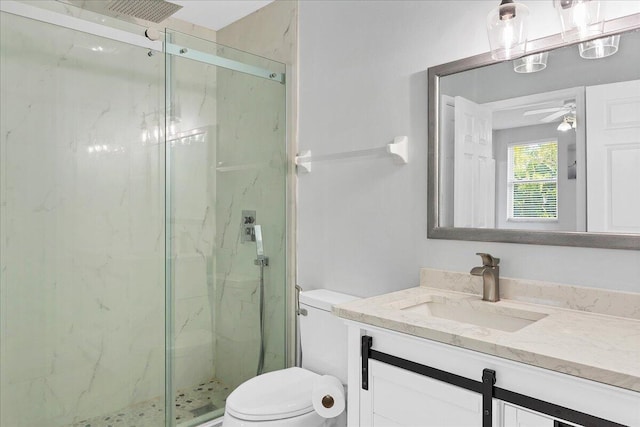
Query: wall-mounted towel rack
[398,149]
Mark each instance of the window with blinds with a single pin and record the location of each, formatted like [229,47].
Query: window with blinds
[532,181]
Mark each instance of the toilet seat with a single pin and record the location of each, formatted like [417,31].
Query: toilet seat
[273,396]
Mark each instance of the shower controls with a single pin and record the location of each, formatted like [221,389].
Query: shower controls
[248,220]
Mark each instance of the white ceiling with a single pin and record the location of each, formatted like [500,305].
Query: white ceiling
[216,14]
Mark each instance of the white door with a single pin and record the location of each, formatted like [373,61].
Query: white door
[474,166]
[613,157]
[446,154]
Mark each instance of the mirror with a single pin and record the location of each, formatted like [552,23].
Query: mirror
[545,157]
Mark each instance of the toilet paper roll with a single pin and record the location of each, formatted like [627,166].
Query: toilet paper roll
[328,396]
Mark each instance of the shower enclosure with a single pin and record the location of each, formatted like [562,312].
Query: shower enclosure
[128,295]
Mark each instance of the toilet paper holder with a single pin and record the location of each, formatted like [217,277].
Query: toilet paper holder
[328,401]
[328,396]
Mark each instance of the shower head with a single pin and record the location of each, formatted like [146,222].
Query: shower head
[257,230]
[260,260]
[129,10]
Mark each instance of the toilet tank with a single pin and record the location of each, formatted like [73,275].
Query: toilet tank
[323,336]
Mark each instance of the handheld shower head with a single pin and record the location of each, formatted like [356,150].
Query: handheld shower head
[257,231]
[260,258]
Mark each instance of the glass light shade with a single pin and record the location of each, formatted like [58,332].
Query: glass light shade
[564,126]
[507,30]
[580,19]
[599,48]
[531,63]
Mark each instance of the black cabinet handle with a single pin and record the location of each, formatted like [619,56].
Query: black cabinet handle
[488,380]
[365,350]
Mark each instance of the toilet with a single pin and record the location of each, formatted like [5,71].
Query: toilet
[283,398]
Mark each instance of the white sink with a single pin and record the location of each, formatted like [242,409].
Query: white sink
[474,312]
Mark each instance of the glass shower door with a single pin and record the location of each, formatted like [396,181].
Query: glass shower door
[225,161]
[82,229]
[129,292]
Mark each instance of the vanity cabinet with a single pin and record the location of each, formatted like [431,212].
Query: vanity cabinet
[396,396]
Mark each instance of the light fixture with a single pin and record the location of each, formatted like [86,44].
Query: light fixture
[144,136]
[580,19]
[507,30]
[568,123]
[155,134]
[151,135]
[531,63]
[173,122]
[173,125]
[599,48]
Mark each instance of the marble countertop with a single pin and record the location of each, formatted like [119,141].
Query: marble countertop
[590,345]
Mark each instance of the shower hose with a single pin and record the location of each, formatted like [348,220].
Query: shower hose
[261,356]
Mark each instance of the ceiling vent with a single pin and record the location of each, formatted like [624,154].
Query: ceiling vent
[134,11]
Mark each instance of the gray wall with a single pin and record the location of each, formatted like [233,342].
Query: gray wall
[362,222]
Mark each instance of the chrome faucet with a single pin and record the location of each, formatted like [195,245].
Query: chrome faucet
[490,273]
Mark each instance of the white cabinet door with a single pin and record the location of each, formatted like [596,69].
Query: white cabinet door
[474,166]
[613,157]
[516,417]
[397,397]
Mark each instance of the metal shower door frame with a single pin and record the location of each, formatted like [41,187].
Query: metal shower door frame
[219,61]
[54,13]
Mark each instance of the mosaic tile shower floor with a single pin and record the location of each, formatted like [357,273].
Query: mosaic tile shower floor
[189,404]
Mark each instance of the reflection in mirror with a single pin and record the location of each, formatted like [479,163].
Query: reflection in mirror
[546,144]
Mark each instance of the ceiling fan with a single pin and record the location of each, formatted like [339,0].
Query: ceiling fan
[569,108]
